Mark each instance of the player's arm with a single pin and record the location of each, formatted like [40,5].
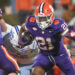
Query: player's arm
[63,29]
[2,23]
[22,29]
[67,31]
[71,33]
[25,37]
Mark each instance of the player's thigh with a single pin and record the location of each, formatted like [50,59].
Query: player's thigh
[65,64]
[37,70]
[43,61]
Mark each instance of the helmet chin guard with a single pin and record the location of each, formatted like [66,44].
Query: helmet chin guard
[43,25]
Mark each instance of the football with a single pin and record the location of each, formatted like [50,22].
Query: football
[27,37]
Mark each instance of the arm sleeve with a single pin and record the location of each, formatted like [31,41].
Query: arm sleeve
[63,28]
[71,35]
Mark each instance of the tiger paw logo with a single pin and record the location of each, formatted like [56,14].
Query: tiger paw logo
[32,19]
[56,22]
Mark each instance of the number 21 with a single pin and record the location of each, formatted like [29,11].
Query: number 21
[45,44]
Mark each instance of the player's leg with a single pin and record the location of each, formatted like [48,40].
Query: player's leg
[41,65]
[37,70]
[26,70]
[64,63]
[7,62]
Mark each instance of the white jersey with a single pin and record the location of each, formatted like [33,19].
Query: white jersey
[9,28]
[14,31]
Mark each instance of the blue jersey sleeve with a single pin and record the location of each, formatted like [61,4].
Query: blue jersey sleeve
[63,26]
[30,22]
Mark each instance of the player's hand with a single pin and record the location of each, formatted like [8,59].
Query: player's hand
[21,42]
[26,39]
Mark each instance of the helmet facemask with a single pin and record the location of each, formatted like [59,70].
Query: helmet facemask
[43,21]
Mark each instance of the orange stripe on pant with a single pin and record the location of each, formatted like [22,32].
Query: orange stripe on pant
[9,57]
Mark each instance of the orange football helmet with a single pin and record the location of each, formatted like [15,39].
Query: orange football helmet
[44,15]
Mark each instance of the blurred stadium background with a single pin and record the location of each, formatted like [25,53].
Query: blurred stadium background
[12,8]
[15,12]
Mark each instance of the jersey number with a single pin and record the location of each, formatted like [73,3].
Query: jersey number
[44,44]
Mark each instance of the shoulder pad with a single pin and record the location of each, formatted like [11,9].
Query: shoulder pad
[30,22]
[31,19]
[17,28]
[58,22]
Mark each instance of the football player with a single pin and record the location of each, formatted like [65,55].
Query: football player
[25,55]
[7,62]
[48,32]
